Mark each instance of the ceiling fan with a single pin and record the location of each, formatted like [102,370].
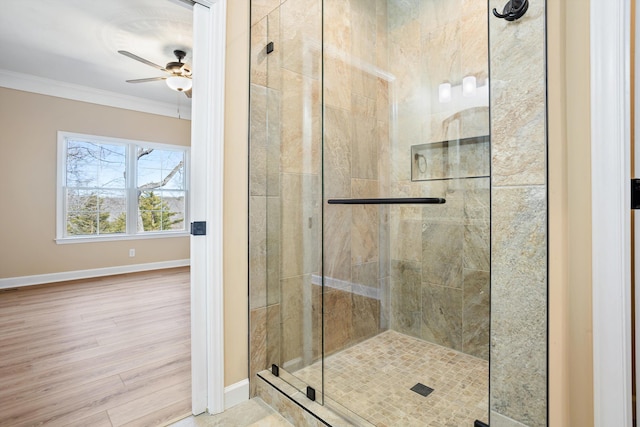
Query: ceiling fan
[179,78]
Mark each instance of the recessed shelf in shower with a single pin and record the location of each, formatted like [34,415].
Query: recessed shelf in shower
[452,159]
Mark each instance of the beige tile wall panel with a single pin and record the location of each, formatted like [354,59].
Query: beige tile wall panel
[519,218]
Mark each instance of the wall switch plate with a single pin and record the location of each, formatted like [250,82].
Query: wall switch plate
[132,253]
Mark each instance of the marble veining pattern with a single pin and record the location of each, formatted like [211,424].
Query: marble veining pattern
[442,245]
[442,315]
[476,313]
[439,254]
[300,226]
[519,339]
[519,304]
[337,234]
[257,251]
[257,342]
[258,135]
[300,36]
[261,8]
[300,129]
[405,297]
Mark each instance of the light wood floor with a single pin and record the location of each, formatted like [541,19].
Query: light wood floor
[112,351]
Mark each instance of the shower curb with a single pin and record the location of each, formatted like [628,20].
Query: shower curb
[296,408]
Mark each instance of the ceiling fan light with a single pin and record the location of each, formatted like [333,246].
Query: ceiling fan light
[179,83]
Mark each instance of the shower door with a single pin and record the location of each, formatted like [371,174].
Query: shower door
[285,187]
[405,174]
[369,205]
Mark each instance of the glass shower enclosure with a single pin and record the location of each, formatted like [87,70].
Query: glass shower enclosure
[369,205]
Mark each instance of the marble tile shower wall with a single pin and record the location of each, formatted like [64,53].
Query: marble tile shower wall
[519,220]
[439,254]
[285,178]
[356,141]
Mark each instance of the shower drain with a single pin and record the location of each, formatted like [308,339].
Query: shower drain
[422,389]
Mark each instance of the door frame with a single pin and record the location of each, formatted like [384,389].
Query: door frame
[207,172]
[611,227]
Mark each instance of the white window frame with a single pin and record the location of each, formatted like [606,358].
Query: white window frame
[132,208]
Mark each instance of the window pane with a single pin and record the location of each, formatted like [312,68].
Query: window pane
[175,201]
[160,169]
[177,182]
[113,203]
[81,200]
[115,223]
[90,164]
[113,200]
[173,220]
[149,178]
[82,223]
[81,168]
[161,211]
[111,172]
[95,212]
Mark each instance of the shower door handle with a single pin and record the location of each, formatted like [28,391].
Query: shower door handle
[389,201]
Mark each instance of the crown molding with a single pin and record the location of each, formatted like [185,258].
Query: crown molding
[43,86]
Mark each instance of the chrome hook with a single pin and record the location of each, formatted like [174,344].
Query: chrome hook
[514,9]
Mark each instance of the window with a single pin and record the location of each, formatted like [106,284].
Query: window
[111,188]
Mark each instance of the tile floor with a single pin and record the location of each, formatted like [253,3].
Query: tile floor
[253,413]
[374,378]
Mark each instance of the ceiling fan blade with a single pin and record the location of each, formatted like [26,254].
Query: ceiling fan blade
[188,93]
[150,79]
[144,61]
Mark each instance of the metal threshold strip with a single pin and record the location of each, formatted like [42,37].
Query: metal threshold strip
[389,201]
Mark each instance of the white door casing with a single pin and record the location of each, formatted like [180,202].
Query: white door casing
[611,229]
[206,184]
[636,260]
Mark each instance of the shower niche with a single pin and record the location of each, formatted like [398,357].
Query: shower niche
[357,304]
[455,159]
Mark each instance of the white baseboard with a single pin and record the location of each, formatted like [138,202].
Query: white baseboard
[236,393]
[38,279]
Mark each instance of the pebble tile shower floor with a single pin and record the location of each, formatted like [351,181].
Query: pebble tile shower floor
[374,380]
